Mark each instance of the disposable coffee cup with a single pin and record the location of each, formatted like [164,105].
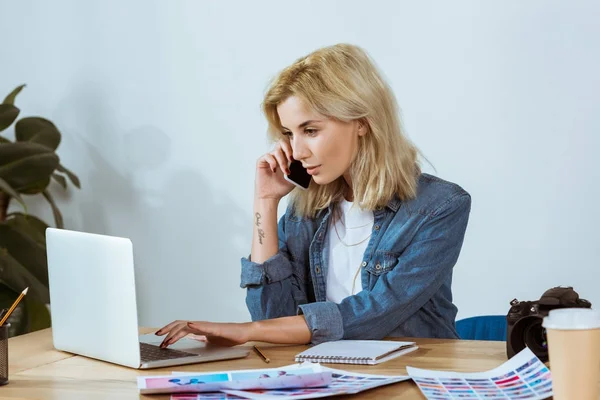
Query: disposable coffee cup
[574,349]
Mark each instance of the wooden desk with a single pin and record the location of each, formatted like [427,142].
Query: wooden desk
[37,371]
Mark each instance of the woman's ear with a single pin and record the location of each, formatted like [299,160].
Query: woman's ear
[362,127]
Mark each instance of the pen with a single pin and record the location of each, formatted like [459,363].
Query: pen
[260,353]
[2,312]
[12,308]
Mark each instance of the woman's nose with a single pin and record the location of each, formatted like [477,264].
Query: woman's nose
[299,150]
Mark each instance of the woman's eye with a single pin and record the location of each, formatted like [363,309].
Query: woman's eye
[310,132]
[287,133]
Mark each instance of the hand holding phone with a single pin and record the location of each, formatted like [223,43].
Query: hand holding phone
[298,175]
[272,180]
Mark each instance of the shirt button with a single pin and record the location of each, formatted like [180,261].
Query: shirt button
[376,227]
[364,264]
[317,269]
[320,235]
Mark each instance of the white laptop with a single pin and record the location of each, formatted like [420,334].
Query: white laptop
[93,305]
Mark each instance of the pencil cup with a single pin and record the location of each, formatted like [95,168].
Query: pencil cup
[4,354]
[574,350]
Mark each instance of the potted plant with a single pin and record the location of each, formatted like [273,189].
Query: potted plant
[27,166]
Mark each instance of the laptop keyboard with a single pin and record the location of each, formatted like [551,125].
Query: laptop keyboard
[150,352]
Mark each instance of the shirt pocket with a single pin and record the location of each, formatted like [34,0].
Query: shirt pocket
[382,262]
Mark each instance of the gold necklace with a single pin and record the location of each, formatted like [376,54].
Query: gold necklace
[349,245]
[355,276]
[344,243]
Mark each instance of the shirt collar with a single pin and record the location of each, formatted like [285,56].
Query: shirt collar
[394,204]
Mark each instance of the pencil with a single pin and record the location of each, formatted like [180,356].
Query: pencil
[260,353]
[12,308]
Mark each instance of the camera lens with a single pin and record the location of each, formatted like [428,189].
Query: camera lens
[535,337]
[528,332]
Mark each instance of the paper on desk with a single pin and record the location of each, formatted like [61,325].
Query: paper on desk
[343,382]
[522,377]
[273,378]
[204,396]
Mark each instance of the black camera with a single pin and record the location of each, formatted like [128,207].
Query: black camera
[524,320]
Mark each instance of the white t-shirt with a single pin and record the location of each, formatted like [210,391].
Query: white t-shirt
[352,226]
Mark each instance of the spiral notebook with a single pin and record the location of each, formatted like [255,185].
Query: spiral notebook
[356,351]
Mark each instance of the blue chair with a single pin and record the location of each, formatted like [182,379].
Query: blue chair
[485,327]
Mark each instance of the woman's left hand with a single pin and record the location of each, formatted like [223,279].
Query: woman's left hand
[223,334]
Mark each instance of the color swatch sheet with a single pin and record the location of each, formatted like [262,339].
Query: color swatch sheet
[522,377]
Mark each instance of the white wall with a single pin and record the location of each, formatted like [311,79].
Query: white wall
[158,103]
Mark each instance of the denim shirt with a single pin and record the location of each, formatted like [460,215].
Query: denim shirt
[406,274]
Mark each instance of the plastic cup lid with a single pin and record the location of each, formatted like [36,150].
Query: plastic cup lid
[572,318]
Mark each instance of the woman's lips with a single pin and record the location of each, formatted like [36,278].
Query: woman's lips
[313,170]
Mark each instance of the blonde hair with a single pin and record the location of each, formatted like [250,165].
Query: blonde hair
[342,82]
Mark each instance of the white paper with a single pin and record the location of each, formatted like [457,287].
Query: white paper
[522,377]
[273,378]
[343,382]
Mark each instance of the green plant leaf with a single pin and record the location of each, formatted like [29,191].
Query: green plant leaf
[10,99]
[37,187]
[27,251]
[6,188]
[57,215]
[38,316]
[29,225]
[7,296]
[37,130]
[17,277]
[10,152]
[27,166]
[8,114]
[72,177]
[61,180]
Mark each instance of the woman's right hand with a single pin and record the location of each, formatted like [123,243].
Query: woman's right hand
[269,182]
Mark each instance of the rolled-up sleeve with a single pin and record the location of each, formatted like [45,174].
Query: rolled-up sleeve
[324,321]
[276,268]
[421,270]
[272,288]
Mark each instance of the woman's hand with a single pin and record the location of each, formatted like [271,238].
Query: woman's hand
[284,330]
[223,334]
[269,181]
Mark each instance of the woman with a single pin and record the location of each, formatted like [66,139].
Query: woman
[368,250]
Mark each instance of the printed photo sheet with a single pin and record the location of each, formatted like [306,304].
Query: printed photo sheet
[274,378]
[342,382]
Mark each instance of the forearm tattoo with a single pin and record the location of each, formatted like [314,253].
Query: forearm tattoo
[261,233]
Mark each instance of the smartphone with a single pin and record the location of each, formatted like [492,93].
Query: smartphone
[298,175]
